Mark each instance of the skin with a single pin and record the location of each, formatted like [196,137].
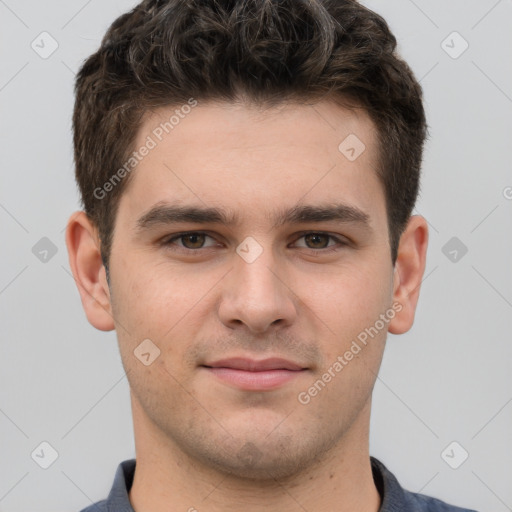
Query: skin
[200,442]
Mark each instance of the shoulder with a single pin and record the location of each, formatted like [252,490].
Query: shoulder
[118,499]
[422,503]
[396,499]
[100,506]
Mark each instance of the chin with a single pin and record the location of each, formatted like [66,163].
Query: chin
[262,460]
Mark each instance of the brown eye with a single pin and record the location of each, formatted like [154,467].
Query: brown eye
[193,240]
[320,243]
[317,240]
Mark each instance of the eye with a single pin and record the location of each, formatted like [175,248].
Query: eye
[193,241]
[320,241]
[189,241]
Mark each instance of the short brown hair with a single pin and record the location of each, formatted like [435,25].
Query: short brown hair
[164,52]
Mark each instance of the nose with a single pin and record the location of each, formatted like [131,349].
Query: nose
[257,295]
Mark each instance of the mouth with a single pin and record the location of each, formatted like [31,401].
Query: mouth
[251,375]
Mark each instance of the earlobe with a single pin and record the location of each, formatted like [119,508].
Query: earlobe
[88,271]
[408,274]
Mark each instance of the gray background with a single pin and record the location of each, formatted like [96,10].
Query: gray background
[448,379]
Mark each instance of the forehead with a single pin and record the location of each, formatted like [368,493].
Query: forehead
[250,159]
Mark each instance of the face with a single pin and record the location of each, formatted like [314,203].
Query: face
[257,308]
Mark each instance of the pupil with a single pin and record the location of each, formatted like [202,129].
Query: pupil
[315,238]
[193,238]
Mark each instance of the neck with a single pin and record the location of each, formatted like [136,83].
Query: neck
[166,479]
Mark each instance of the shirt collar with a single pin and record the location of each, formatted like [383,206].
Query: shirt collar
[392,495]
[118,499]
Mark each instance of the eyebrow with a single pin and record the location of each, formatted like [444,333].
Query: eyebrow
[165,214]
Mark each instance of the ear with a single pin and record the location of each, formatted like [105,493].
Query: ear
[85,260]
[408,273]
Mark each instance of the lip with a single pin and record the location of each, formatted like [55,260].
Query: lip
[251,365]
[252,375]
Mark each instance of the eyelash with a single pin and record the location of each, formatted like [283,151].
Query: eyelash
[339,242]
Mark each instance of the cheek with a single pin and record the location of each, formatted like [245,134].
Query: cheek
[161,302]
[160,305]
[348,301]
[353,292]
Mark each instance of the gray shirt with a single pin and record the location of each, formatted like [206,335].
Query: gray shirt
[394,498]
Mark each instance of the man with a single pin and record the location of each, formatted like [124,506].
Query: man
[248,171]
